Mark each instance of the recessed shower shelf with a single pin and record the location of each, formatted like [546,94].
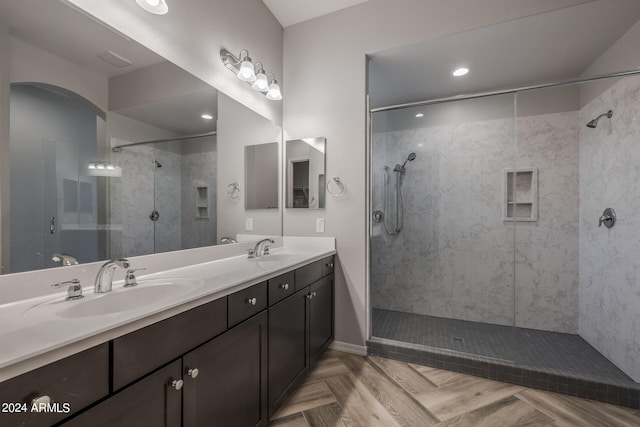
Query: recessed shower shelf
[520,195]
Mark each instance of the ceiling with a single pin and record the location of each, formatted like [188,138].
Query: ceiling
[545,47]
[290,12]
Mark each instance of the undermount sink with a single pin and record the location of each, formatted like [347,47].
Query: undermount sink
[147,292]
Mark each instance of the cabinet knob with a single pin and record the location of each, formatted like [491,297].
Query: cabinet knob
[177,384]
[330,265]
[284,286]
[193,373]
[39,400]
[252,301]
[310,295]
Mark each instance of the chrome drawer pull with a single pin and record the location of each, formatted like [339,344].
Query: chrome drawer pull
[285,286]
[330,265]
[193,373]
[40,400]
[177,384]
[252,301]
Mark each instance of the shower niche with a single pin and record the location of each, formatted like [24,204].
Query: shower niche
[520,200]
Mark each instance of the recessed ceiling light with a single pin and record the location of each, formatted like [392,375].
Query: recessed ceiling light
[419,115]
[460,72]
[207,116]
[158,7]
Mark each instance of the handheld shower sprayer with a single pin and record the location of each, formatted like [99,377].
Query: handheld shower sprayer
[410,158]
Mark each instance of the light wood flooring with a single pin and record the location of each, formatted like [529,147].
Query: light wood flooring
[348,390]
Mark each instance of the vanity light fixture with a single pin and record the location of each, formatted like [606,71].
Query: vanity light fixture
[261,82]
[459,72]
[101,166]
[243,67]
[274,93]
[207,116]
[157,7]
[419,115]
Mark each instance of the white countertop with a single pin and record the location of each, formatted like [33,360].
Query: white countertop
[35,332]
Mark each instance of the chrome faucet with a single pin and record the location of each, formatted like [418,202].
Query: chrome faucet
[104,278]
[261,248]
[65,259]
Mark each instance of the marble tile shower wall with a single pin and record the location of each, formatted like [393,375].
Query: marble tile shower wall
[610,258]
[132,200]
[199,169]
[455,255]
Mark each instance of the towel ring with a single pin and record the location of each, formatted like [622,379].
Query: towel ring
[335,187]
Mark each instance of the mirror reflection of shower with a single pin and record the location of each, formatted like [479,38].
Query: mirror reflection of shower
[398,204]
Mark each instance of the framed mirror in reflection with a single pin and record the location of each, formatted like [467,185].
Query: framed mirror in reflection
[261,176]
[113,151]
[305,168]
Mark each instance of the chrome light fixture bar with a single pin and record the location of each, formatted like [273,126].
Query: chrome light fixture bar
[243,67]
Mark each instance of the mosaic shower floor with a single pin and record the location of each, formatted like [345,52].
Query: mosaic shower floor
[542,351]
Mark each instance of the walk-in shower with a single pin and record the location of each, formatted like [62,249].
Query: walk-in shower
[501,262]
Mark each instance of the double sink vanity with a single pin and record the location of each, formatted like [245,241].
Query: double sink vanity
[221,341]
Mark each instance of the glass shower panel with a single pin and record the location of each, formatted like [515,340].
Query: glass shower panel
[574,276]
[442,247]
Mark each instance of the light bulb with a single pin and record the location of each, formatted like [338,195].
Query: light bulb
[246,72]
[207,116]
[274,91]
[158,7]
[460,72]
[100,166]
[91,166]
[261,84]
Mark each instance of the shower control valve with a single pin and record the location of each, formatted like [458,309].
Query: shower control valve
[608,218]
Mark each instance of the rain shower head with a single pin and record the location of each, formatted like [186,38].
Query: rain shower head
[593,123]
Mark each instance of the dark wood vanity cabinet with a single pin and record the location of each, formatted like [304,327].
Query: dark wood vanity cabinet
[300,328]
[229,362]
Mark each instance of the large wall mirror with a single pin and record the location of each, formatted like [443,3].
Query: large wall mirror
[305,166]
[114,151]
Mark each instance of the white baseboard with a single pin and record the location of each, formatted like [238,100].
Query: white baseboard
[349,348]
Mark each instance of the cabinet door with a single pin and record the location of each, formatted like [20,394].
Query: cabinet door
[150,402]
[320,315]
[231,386]
[287,345]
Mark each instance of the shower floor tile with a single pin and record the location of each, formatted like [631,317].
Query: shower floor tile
[554,353]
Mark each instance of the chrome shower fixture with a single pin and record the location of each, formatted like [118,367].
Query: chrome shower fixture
[410,158]
[593,123]
[157,164]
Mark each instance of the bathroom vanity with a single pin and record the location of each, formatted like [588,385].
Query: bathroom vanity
[229,357]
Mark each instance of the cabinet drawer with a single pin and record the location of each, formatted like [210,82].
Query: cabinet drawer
[328,265]
[146,349]
[281,287]
[244,304]
[308,274]
[71,384]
